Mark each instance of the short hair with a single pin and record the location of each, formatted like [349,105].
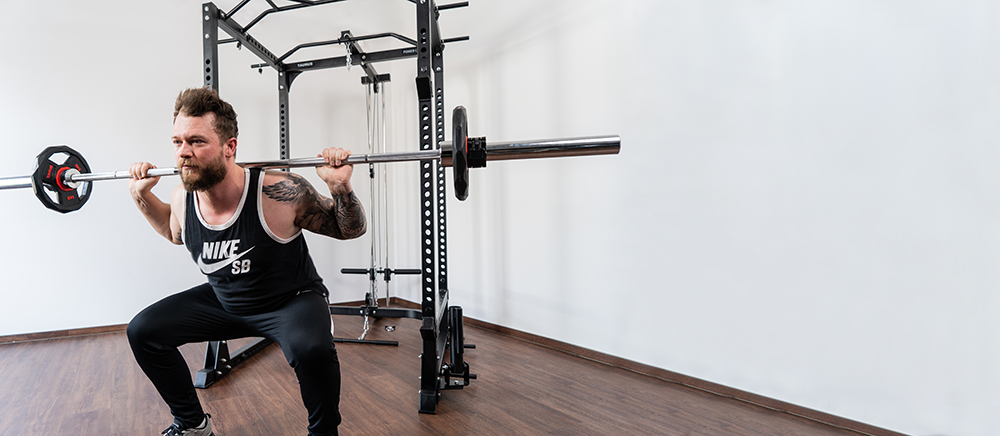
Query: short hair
[195,102]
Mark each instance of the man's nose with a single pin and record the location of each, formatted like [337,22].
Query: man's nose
[184,150]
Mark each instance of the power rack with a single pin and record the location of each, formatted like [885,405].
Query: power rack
[441,328]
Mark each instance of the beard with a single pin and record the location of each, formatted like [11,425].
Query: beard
[209,175]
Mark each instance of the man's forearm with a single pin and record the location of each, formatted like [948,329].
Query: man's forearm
[350,214]
[340,216]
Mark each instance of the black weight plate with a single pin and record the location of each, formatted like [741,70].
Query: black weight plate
[460,152]
[46,179]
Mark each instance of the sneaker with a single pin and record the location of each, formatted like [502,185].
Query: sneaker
[205,429]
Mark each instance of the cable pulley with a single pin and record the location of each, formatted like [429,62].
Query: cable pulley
[62,179]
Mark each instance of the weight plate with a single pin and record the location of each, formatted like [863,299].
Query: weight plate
[460,152]
[48,183]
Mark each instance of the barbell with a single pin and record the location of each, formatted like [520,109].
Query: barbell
[62,179]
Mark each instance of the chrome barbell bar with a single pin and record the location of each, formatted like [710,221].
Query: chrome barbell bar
[66,187]
[586,146]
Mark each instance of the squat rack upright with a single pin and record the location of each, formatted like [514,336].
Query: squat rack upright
[441,327]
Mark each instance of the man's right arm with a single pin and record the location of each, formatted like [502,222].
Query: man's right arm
[159,214]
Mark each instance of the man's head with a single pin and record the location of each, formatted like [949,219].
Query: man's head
[196,102]
[204,138]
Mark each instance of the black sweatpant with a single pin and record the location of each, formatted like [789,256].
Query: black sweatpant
[301,327]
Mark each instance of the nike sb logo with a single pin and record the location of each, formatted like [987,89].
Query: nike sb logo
[227,252]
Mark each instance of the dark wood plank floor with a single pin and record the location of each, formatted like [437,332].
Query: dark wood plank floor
[91,386]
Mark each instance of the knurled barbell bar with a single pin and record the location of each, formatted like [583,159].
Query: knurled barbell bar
[62,179]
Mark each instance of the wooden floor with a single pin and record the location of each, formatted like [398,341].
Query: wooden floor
[91,386]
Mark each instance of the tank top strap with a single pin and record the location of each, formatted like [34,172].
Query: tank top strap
[253,192]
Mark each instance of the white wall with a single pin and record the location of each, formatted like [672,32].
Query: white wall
[802,206]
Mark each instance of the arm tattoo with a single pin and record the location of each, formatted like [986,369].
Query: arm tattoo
[288,190]
[341,217]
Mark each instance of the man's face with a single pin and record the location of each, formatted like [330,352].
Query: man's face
[199,153]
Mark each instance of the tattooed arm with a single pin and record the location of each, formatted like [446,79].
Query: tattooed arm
[340,217]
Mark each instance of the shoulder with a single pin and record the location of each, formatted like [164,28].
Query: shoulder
[178,193]
[274,176]
[178,206]
[285,186]
[177,198]
[283,197]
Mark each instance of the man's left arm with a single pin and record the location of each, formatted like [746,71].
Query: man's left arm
[340,216]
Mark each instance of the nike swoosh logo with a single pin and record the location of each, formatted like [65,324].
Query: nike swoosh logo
[209,268]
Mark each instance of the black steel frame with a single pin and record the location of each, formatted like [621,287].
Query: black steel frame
[441,327]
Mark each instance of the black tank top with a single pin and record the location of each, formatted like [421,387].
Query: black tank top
[250,268]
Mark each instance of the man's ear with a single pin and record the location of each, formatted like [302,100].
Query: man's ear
[230,147]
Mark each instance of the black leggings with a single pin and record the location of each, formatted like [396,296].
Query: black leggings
[301,327]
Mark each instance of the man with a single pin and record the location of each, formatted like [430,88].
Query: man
[243,228]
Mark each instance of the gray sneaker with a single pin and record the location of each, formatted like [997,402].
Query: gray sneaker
[205,429]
